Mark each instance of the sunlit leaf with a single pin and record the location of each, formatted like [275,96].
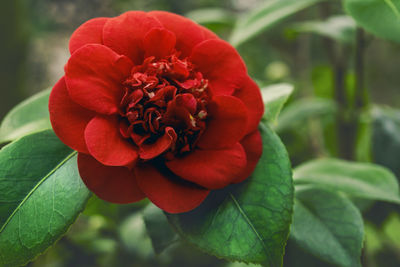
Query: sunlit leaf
[274,97]
[211,15]
[363,180]
[29,116]
[339,28]
[133,235]
[298,112]
[265,17]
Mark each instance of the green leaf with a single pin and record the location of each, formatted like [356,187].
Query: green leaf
[386,138]
[339,28]
[391,228]
[29,116]
[132,232]
[41,194]
[250,221]
[274,97]
[265,17]
[158,228]
[211,15]
[328,225]
[379,17]
[298,112]
[363,180]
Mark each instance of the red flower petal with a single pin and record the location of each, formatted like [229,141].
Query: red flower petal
[188,34]
[124,34]
[90,32]
[113,184]
[250,94]
[106,144]
[226,125]
[253,146]
[167,192]
[211,169]
[68,119]
[94,77]
[159,43]
[221,64]
[149,151]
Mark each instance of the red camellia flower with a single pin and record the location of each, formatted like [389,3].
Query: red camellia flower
[158,107]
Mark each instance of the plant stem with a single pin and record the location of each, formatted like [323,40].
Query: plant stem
[345,125]
[346,128]
[361,94]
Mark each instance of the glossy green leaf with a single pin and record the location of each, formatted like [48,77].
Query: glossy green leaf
[298,112]
[274,97]
[339,28]
[29,116]
[250,221]
[363,180]
[328,226]
[158,228]
[386,138]
[41,194]
[379,17]
[265,17]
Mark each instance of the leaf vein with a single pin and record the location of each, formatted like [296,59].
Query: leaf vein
[35,188]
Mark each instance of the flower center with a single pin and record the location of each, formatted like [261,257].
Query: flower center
[161,95]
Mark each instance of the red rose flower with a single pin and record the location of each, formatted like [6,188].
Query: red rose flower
[158,107]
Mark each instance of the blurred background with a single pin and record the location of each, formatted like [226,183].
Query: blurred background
[318,59]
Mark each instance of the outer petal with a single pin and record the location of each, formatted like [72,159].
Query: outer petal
[212,169]
[250,94]
[68,119]
[124,34]
[221,64]
[160,146]
[113,184]
[252,144]
[159,42]
[90,32]
[106,144]
[94,77]
[226,125]
[188,34]
[168,192]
